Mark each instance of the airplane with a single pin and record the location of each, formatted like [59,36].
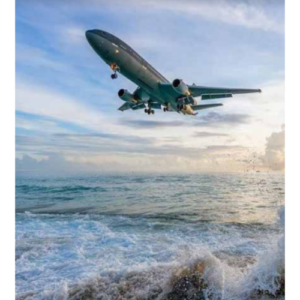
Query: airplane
[154,91]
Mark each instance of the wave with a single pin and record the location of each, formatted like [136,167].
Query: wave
[195,274]
[200,278]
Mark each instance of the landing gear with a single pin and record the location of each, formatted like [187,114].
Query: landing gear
[181,106]
[114,76]
[166,107]
[115,68]
[149,111]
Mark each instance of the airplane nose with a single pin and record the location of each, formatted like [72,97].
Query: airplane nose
[89,34]
[92,38]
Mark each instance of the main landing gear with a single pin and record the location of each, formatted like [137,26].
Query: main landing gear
[149,111]
[166,107]
[181,106]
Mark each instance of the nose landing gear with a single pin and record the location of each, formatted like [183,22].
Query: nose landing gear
[115,68]
[114,75]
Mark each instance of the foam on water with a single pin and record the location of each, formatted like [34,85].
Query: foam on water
[162,255]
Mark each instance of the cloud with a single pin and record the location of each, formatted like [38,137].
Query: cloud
[53,165]
[211,119]
[217,119]
[238,13]
[49,103]
[141,159]
[205,134]
[274,156]
[149,124]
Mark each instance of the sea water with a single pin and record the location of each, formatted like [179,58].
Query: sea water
[208,236]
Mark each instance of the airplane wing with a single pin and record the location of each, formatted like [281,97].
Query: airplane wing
[210,92]
[204,106]
[125,106]
[206,93]
[136,106]
[142,98]
[132,105]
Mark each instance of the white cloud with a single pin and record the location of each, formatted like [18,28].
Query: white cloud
[74,35]
[274,156]
[214,159]
[231,12]
[45,102]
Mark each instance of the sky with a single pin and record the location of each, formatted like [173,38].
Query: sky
[67,118]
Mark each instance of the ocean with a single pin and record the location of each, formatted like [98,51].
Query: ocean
[168,237]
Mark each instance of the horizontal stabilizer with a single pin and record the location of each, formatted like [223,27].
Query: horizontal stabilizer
[215,96]
[204,106]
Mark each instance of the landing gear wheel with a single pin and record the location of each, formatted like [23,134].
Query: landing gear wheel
[152,112]
[149,112]
[114,76]
[146,110]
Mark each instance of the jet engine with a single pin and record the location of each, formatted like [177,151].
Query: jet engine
[180,87]
[126,96]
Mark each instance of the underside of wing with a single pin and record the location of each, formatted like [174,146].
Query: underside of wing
[136,106]
[131,105]
[215,92]
[204,106]
[125,106]
[140,99]
[215,96]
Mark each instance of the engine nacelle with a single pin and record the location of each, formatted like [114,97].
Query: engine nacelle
[180,87]
[126,96]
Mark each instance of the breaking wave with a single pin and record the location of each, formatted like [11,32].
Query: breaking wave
[194,274]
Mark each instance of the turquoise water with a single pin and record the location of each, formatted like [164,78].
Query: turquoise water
[133,236]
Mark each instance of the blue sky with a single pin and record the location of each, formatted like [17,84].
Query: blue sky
[66,103]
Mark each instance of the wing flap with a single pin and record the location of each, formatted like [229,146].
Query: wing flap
[197,91]
[138,106]
[215,96]
[204,106]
